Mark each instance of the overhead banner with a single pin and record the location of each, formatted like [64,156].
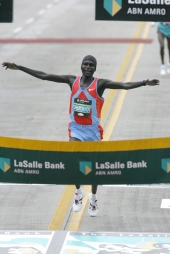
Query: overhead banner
[109,162]
[133,10]
[6,11]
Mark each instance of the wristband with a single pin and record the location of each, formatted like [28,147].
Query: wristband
[144,82]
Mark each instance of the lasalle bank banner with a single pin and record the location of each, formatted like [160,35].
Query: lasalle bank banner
[143,161]
[133,10]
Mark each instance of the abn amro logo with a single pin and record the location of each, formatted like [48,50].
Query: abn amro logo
[112,6]
[85,167]
[4,164]
[166,165]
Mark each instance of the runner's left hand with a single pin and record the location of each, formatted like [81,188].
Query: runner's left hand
[152,82]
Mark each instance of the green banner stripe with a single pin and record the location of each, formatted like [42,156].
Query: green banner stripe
[66,146]
[59,167]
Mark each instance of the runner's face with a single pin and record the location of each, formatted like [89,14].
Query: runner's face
[88,68]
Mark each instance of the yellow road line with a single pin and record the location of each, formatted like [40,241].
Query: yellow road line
[64,203]
[60,212]
[122,95]
[121,71]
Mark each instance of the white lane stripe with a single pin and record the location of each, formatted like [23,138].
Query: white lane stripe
[165,203]
[41,12]
[29,20]
[17,29]
[49,6]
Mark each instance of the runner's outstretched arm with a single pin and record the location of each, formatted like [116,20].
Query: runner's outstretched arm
[129,85]
[105,83]
[69,79]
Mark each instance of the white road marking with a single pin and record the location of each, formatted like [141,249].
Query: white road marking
[165,203]
[41,12]
[28,21]
[49,6]
[17,29]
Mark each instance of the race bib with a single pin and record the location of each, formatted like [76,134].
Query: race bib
[82,107]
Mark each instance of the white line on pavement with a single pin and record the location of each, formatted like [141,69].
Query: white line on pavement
[165,203]
[49,6]
[28,21]
[17,29]
[41,12]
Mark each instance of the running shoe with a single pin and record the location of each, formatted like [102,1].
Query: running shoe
[168,67]
[77,204]
[93,208]
[163,70]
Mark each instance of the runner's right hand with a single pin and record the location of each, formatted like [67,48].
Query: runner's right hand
[11,66]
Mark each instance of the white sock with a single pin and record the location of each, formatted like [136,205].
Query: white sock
[79,191]
[93,197]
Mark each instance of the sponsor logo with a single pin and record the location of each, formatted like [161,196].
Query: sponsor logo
[85,167]
[120,165]
[112,6]
[132,10]
[166,165]
[38,165]
[148,11]
[33,167]
[84,109]
[5,164]
[153,2]
[114,168]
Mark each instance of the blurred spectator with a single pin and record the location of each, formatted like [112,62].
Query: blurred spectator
[164,32]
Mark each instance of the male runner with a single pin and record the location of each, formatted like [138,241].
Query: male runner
[86,103]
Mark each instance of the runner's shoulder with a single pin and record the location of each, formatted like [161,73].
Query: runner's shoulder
[102,81]
[69,78]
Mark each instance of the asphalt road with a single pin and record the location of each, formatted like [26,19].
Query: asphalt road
[36,109]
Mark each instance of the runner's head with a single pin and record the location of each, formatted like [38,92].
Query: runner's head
[88,65]
[90,58]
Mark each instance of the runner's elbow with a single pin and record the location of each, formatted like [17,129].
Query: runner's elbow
[44,77]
